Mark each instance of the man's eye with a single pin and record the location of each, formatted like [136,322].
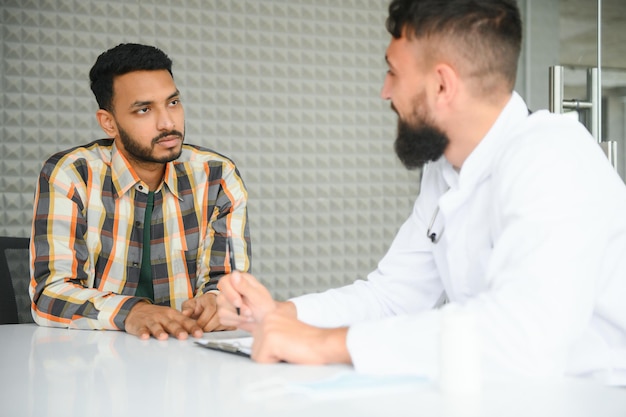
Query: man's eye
[174,102]
[143,111]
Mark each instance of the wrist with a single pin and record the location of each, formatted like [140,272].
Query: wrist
[141,303]
[287,309]
[334,345]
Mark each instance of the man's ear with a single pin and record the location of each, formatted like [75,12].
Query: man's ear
[107,122]
[448,84]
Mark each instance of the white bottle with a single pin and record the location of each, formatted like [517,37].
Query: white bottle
[460,370]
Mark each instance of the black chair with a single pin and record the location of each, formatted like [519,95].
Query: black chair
[14,280]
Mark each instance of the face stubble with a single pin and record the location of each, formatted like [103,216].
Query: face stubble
[145,154]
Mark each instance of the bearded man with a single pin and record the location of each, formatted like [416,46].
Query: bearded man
[520,222]
[130,232]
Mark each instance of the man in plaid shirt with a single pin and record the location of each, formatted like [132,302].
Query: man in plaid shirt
[130,232]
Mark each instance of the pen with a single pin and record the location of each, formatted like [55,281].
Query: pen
[231,254]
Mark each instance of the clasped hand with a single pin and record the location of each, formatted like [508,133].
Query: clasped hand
[198,315]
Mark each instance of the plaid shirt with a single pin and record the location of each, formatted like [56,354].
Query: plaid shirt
[86,243]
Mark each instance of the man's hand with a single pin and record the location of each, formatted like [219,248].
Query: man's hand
[282,338]
[242,290]
[278,335]
[203,309]
[145,320]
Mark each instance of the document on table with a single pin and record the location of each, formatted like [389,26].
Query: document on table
[239,346]
[346,383]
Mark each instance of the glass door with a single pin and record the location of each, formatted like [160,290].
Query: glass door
[592,32]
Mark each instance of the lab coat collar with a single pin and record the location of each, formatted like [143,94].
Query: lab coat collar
[477,166]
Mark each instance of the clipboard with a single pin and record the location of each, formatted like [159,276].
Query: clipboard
[240,346]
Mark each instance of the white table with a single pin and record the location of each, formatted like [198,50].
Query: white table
[59,372]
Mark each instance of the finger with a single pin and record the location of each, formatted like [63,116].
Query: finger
[213,323]
[188,307]
[216,323]
[251,291]
[223,303]
[228,287]
[245,313]
[196,332]
[200,307]
[224,306]
[157,331]
[192,327]
[256,299]
[227,314]
[176,325]
[205,316]
[193,310]
[142,333]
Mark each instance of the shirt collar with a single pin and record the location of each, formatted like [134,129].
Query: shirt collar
[124,177]
[170,178]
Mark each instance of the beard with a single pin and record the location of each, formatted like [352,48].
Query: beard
[419,142]
[145,154]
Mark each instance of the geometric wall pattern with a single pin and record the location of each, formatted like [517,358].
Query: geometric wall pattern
[288,89]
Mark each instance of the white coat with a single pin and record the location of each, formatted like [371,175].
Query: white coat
[533,246]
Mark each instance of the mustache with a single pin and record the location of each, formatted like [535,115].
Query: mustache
[166,134]
[394,108]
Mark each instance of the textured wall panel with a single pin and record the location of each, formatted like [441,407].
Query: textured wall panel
[287,89]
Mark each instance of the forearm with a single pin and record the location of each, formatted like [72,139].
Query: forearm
[61,283]
[230,221]
[62,304]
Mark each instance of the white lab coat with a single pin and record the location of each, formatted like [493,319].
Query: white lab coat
[534,248]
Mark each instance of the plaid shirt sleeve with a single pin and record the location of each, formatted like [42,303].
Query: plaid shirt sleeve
[229,215]
[86,239]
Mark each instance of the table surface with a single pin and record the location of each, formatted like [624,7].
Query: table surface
[61,372]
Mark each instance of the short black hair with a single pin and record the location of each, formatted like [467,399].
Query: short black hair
[486,33]
[122,59]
